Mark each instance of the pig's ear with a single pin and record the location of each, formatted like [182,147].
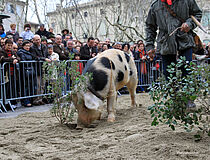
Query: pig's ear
[91,101]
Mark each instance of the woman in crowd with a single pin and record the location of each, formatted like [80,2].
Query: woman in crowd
[143,57]
[13,32]
[80,64]
[142,67]
[126,49]
[78,48]
[28,74]
[104,47]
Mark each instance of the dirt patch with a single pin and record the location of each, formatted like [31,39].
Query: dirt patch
[39,136]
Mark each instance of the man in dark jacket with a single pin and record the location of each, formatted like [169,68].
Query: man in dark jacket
[19,42]
[70,47]
[58,47]
[42,31]
[88,50]
[181,42]
[40,51]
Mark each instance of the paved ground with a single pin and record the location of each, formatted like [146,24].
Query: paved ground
[22,109]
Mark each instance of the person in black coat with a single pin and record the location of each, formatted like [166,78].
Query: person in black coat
[42,32]
[58,48]
[28,81]
[88,50]
[39,51]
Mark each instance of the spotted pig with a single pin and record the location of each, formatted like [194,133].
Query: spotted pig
[111,70]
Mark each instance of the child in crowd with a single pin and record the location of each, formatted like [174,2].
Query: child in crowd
[78,49]
[53,57]
[80,64]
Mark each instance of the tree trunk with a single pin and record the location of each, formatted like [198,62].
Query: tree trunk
[36,11]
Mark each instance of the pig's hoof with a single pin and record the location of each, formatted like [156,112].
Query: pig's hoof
[79,128]
[99,117]
[134,105]
[111,119]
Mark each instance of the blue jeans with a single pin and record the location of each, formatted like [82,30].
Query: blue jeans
[168,59]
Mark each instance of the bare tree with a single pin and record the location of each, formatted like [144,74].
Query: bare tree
[19,15]
[129,18]
[36,11]
[26,10]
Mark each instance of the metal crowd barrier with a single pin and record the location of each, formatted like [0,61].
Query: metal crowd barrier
[24,80]
[148,72]
[1,92]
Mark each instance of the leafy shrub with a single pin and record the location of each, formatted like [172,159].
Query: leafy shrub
[56,74]
[171,97]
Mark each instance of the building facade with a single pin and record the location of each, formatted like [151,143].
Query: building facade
[15,9]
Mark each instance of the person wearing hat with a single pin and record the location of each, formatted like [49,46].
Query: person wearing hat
[42,32]
[44,41]
[52,37]
[64,33]
[28,71]
[49,42]
[27,34]
[117,45]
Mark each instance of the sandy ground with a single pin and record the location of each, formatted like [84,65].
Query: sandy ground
[37,135]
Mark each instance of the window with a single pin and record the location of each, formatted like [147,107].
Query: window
[53,24]
[10,8]
[85,14]
[102,11]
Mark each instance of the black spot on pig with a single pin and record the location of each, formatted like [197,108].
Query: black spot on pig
[126,68]
[106,63]
[99,79]
[120,58]
[131,72]
[127,57]
[120,76]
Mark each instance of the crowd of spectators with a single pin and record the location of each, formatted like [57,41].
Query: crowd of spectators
[45,45]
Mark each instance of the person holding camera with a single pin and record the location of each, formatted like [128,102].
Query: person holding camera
[27,34]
